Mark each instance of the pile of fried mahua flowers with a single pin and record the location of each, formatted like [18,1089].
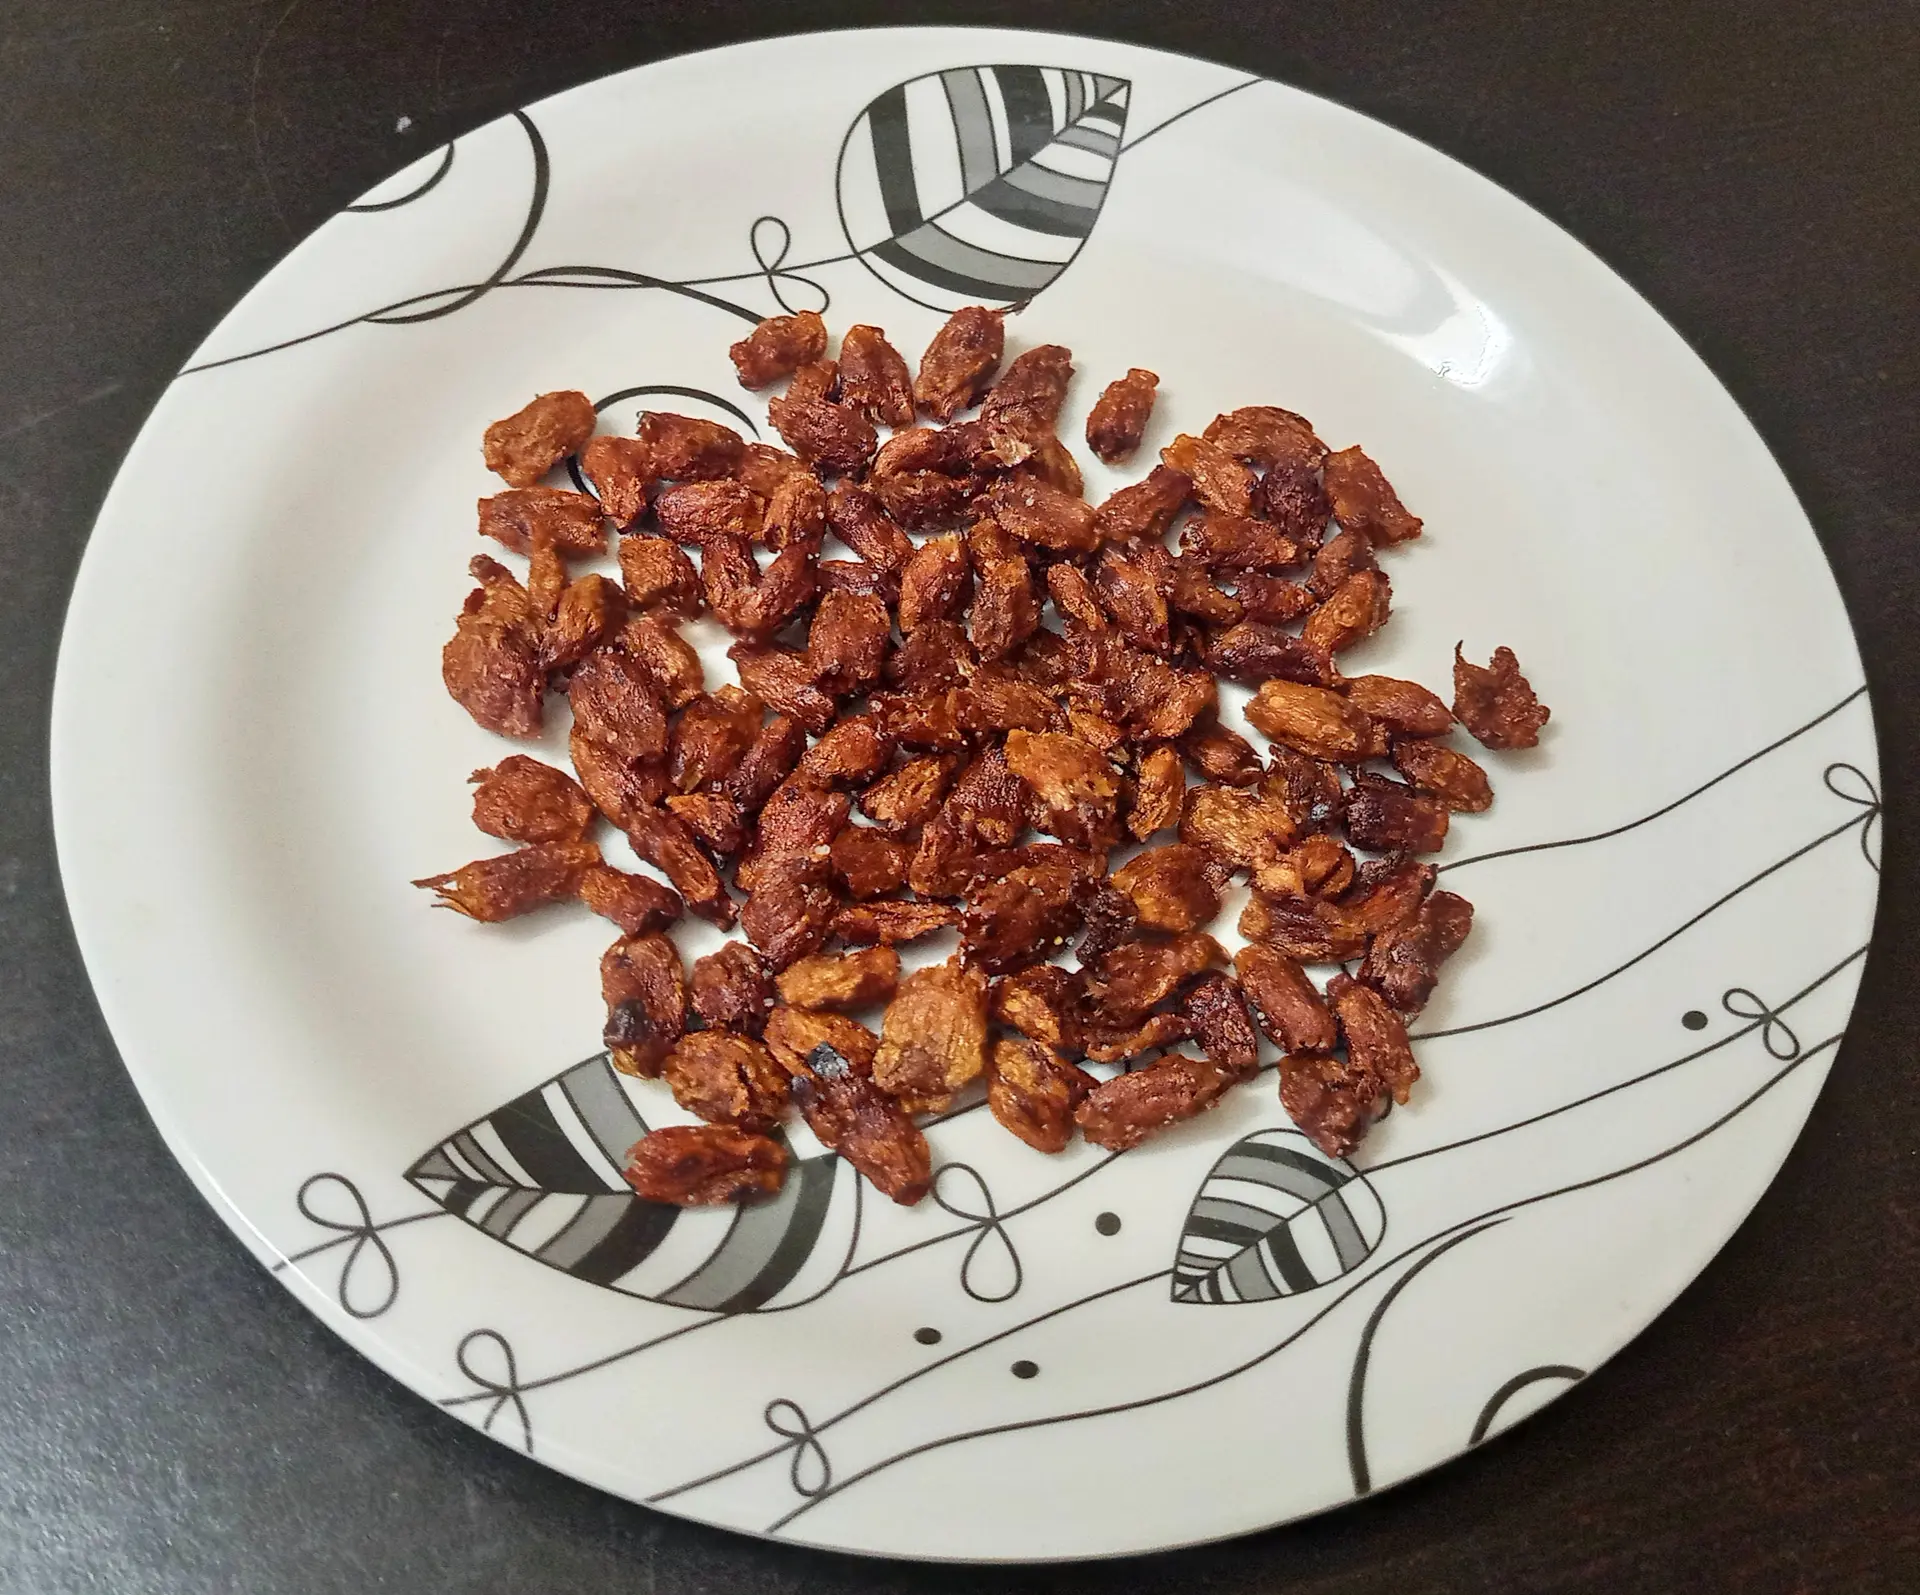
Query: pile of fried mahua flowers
[997,661]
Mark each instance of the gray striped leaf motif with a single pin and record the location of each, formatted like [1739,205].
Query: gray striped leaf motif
[543,1175]
[1274,1217]
[978,185]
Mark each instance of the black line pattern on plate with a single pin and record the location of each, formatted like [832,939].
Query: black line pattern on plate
[1476,1221]
[1519,1382]
[1850,782]
[368,1253]
[1057,195]
[959,1189]
[1685,798]
[1862,820]
[1363,1357]
[810,1473]
[434,180]
[504,1390]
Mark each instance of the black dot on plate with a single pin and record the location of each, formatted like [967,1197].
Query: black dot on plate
[1024,1369]
[927,1337]
[1108,1223]
[1694,1019]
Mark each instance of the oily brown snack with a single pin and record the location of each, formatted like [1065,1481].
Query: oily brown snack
[934,1039]
[730,990]
[493,889]
[522,800]
[1119,416]
[778,347]
[704,1165]
[960,361]
[1496,703]
[1011,685]
[573,523]
[726,1078]
[850,981]
[874,377]
[645,988]
[636,903]
[1034,1091]
[530,442]
[854,1117]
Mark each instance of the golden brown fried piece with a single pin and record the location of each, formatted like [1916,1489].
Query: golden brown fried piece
[854,1117]
[653,639]
[1026,400]
[852,752]
[716,821]
[1170,887]
[522,800]
[1311,720]
[1033,1091]
[1220,482]
[572,522]
[1285,1002]
[1222,756]
[1403,962]
[1255,651]
[1216,1014]
[796,514]
[1292,497]
[1037,512]
[1364,501]
[911,795]
[868,862]
[1333,1102]
[590,612]
[726,1078]
[934,1039]
[1266,436]
[1123,1112]
[1315,866]
[837,438]
[1043,1002]
[1385,816]
[684,448]
[638,904]
[662,838]
[712,736]
[645,989]
[768,762]
[960,361]
[655,572]
[1497,703]
[1122,1043]
[933,582]
[616,467]
[616,705]
[778,347]
[784,681]
[1159,792]
[847,641]
[875,377]
[1135,979]
[1077,788]
[492,666]
[730,990]
[1404,708]
[700,512]
[789,909]
[793,1034]
[1229,544]
[493,889]
[531,441]
[1451,776]
[765,469]
[1133,588]
[1023,907]
[889,921]
[1357,609]
[1145,509]
[1241,829]
[705,1165]
[1375,1035]
[859,521]
[850,981]
[1118,420]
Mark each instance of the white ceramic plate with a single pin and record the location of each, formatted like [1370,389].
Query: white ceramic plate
[253,754]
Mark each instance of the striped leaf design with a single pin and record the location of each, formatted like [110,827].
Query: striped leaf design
[542,1174]
[978,185]
[1274,1217]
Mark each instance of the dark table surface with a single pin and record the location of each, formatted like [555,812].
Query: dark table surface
[171,1420]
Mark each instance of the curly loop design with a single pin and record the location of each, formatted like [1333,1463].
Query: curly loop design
[976,1205]
[810,1472]
[1850,782]
[1776,1035]
[504,1390]
[771,257]
[369,1281]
